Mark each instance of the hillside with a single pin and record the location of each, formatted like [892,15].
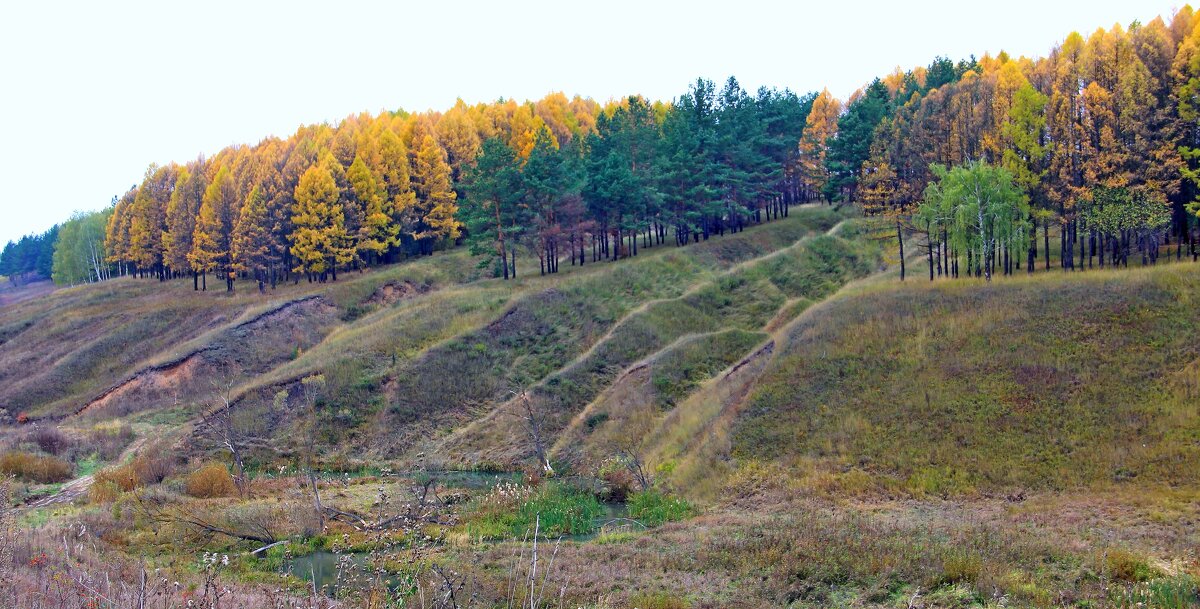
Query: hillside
[139,349]
[1047,382]
[825,433]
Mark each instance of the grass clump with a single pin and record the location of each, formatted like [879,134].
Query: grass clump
[34,468]
[1127,566]
[658,600]
[1179,592]
[654,507]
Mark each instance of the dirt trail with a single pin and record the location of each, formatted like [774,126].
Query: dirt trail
[79,486]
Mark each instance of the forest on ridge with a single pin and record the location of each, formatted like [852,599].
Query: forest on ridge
[1097,140]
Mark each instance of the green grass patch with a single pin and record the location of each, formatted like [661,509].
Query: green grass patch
[1179,592]
[556,510]
[653,507]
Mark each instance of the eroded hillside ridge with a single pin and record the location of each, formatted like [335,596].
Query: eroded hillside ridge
[246,347]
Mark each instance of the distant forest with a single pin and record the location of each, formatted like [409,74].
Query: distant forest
[1098,143]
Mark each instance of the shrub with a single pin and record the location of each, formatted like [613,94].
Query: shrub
[146,468]
[151,467]
[211,480]
[595,420]
[618,483]
[50,440]
[1127,566]
[103,491]
[34,468]
[121,477]
[653,507]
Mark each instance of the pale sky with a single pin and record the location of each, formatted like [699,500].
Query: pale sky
[93,92]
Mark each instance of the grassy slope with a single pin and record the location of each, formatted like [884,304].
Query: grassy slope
[559,333]
[383,361]
[1046,382]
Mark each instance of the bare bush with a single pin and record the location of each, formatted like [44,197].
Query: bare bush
[50,440]
[105,442]
[149,467]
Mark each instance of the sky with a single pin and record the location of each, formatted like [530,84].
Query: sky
[93,92]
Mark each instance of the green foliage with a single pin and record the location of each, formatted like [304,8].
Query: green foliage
[1026,128]
[31,254]
[1178,592]
[492,210]
[653,507]
[1113,210]
[556,509]
[981,208]
[851,147]
[79,255]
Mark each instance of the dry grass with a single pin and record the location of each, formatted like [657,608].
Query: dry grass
[209,481]
[44,469]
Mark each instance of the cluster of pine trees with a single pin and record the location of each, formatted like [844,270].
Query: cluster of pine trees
[30,256]
[707,164]
[1100,140]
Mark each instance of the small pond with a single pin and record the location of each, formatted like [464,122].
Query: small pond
[333,571]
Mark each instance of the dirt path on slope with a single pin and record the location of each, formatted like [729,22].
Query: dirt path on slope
[78,487]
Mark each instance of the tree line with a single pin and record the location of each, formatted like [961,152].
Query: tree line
[645,174]
[30,256]
[1097,140]
[553,178]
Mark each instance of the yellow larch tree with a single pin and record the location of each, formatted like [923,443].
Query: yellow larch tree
[819,127]
[436,203]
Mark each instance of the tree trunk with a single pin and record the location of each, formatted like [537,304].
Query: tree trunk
[1046,241]
[929,246]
